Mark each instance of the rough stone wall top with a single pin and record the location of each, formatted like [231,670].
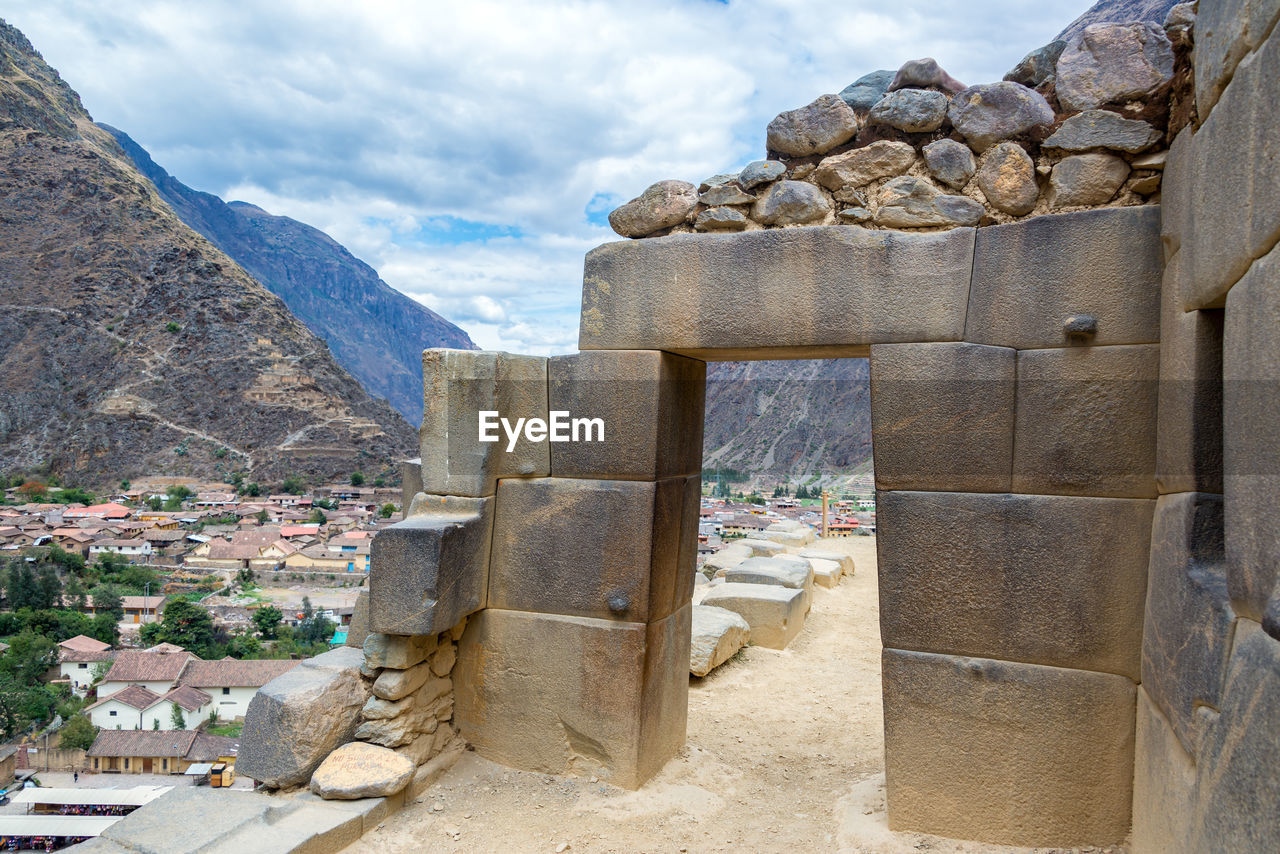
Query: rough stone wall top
[1079,123]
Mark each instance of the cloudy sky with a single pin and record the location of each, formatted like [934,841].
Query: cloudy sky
[470,151]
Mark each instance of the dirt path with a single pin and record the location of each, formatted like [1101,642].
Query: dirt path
[784,753]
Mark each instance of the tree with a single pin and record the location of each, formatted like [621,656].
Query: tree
[317,517]
[387,511]
[189,626]
[32,489]
[263,517]
[106,628]
[23,589]
[155,503]
[124,484]
[107,601]
[252,490]
[357,479]
[48,593]
[293,485]
[78,733]
[313,628]
[267,620]
[245,577]
[176,718]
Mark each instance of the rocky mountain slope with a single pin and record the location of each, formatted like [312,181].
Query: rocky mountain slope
[375,332]
[788,421]
[128,343]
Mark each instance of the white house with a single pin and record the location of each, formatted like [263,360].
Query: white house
[78,657]
[157,671]
[231,682]
[136,707]
[126,548]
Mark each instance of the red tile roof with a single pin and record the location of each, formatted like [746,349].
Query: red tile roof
[231,673]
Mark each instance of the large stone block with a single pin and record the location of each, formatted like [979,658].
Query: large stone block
[650,404]
[611,549]
[431,570]
[1008,753]
[1029,277]
[1251,442]
[1086,421]
[1225,31]
[1176,186]
[1265,226]
[717,635]
[1226,167]
[1239,762]
[410,481]
[574,695]
[300,717]
[1043,579]
[1189,419]
[1187,634]
[775,614]
[358,630]
[457,386]
[942,416]
[1164,778]
[806,292]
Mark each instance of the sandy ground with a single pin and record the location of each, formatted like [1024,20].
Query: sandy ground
[784,753]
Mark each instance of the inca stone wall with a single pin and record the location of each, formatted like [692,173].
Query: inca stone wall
[1076,452]
[1208,737]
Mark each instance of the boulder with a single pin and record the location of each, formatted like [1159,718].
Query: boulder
[1039,66]
[813,129]
[1112,62]
[911,110]
[399,652]
[994,112]
[791,203]
[788,538]
[717,634]
[796,574]
[826,573]
[1086,179]
[775,614]
[300,717]
[909,202]
[662,205]
[759,172]
[845,561]
[727,194]
[730,555]
[950,162]
[761,548]
[394,684]
[924,74]
[881,159]
[863,93]
[1103,129]
[724,179]
[1007,178]
[359,770]
[720,219]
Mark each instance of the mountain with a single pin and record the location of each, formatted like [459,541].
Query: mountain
[375,332]
[131,345]
[1119,11]
[788,421]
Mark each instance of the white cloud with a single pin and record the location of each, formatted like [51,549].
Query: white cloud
[457,147]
